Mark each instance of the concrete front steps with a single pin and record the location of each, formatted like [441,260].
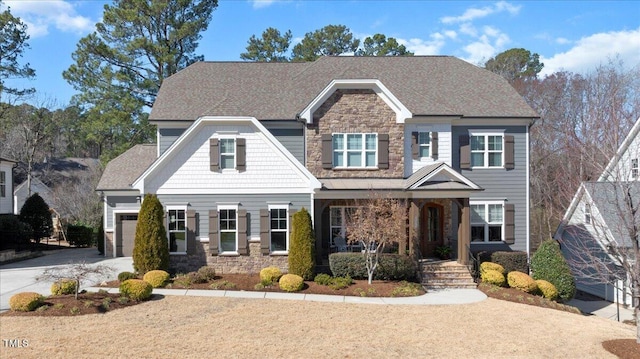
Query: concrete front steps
[445,274]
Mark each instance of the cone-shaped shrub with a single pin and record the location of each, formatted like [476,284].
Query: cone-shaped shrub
[549,264]
[35,212]
[150,249]
[301,245]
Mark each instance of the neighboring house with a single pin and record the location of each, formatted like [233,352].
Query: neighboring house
[6,185]
[242,146]
[21,193]
[598,220]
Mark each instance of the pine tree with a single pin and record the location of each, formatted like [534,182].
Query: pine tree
[301,247]
[150,249]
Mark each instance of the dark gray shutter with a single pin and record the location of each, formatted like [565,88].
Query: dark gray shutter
[242,232]
[327,151]
[465,153]
[265,245]
[383,151]
[509,224]
[241,154]
[509,162]
[415,146]
[213,232]
[214,154]
[434,145]
[191,231]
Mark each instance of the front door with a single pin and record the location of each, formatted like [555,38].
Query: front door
[432,227]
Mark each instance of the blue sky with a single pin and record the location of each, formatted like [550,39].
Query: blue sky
[574,36]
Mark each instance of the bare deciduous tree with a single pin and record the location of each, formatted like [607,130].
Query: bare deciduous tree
[80,272]
[374,223]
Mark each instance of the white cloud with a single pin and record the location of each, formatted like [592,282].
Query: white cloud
[594,50]
[40,15]
[450,34]
[468,29]
[424,47]
[562,41]
[477,13]
[491,42]
[258,4]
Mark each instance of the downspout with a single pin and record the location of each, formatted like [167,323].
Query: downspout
[528,209]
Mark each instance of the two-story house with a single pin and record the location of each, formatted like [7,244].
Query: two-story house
[241,146]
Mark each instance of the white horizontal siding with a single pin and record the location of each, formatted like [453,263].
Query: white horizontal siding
[188,170]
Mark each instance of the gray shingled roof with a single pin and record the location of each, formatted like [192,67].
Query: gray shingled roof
[426,85]
[126,168]
[609,198]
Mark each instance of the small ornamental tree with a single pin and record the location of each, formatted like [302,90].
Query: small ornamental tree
[548,263]
[35,212]
[151,248]
[301,245]
[374,223]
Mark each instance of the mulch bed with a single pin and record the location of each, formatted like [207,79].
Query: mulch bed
[67,305]
[623,348]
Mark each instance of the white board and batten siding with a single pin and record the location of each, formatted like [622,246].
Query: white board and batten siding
[187,171]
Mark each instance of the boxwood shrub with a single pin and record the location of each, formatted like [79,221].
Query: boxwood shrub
[291,282]
[25,301]
[390,266]
[62,287]
[157,278]
[511,261]
[80,236]
[522,281]
[136,289]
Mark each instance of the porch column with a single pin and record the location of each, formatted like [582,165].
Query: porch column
[464,230]
[414,227]
[317,228]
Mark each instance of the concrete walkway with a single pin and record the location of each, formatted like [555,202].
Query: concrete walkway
[603,308]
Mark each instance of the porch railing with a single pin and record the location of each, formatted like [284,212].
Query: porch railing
[474,265]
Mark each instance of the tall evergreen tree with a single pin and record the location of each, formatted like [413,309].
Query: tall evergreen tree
[331,40]
[150,248]
[13,43]
[272,47]
[35,212]
[380,45]
[302,245]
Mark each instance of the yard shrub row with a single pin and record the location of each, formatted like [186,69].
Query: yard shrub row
[390,266]
[13,233]
[80,236]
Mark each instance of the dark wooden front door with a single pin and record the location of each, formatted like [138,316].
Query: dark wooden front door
[431,232]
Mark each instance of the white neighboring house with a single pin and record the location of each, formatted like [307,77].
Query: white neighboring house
[6,185]
[598,222]
[21,193]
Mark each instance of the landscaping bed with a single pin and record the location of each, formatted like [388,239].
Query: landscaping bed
[68,305]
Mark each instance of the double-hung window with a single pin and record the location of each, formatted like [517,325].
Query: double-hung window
[279,228]
[486,150]
[227,153]
[177,231]
[355,150]
[424,144]
[487,220]
[634,168]
[3,184]
[228,217]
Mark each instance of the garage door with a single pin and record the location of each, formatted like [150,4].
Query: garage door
[125,234]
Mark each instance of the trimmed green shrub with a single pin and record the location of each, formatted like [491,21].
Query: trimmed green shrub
[150,249]
[157,278]
[25,301]
[493,277]
[122,276]
[270,275]
[340,282]
[80,236]
[547,289]
[522,281]
[511,261]
[291,282]
[35,213]
[323,279]
[136,289]
[302,245]
[65,286]
[548,263]
[390,266]
[204,274]
[13,233]
[485,266]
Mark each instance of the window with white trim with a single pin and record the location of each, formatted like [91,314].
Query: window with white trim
[634,168]
[279,228]
[227,153]
[228,218]
[486,150]
[338,222]
[424,144]
[587,213]
[3,184]
[355,150]
[177,229]
[487,221]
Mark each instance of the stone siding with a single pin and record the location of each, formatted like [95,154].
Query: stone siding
[251,263]
[109,245]
[355,111]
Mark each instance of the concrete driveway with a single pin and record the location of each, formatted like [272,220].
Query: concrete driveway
[21,276]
